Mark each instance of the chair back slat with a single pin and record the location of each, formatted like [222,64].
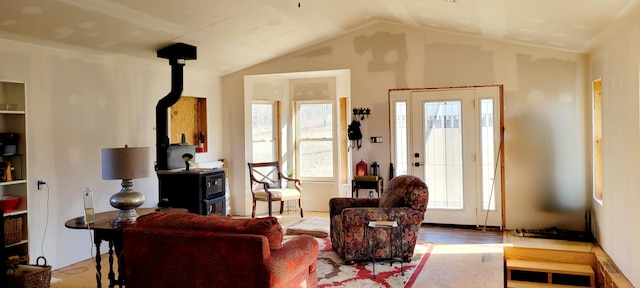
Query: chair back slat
[268,172]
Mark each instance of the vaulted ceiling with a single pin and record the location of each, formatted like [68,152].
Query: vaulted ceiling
[234,34]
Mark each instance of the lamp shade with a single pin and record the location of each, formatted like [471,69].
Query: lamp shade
[125,163]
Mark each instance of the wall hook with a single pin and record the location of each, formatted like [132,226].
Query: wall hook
[362,112]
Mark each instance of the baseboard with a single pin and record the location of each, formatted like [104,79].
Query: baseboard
[491,228]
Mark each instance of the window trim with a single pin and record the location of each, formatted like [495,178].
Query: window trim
[596,141]
[297,141]
[274,129]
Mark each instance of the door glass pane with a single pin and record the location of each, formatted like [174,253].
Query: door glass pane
[487,154]
[443,154]
[401,166]
[262,132]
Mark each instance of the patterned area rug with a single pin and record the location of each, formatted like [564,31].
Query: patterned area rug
[332,272]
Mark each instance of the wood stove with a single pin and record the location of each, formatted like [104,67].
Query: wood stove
[200,191]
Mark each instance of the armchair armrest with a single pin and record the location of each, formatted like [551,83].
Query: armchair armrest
[290,179]
[357,217]
[294,180]
[336,205]
[264,183]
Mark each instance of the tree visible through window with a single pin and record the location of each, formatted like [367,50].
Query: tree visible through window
[315,140]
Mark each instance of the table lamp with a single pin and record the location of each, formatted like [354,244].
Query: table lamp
[126,163]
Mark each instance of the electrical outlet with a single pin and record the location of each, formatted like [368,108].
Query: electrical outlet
[376,139]
[40,183]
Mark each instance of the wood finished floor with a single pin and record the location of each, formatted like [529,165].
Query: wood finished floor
[443,234]
[83,274]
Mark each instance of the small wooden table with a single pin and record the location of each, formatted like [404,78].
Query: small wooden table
[357,184]
[103,230]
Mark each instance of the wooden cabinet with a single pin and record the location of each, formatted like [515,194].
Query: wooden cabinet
[200,191]
[13,154]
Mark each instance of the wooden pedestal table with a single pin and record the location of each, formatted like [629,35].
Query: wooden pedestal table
[104,230]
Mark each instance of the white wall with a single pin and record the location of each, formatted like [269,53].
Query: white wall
[546,123]
[547,116]
[270,89]
[82,102]
[616,61]
[289,87]
[77,104]
[546,107]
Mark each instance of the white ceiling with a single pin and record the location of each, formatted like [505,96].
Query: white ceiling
[234,34]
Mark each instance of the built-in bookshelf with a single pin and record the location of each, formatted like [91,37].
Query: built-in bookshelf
[13,159]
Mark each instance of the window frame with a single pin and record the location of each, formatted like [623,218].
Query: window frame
[275,140]
[298,141]
[596,138]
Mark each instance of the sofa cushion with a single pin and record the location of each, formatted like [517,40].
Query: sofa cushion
[405,191]
[266,226]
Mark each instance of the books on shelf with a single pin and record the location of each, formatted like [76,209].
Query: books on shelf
[366,178]
[383,224]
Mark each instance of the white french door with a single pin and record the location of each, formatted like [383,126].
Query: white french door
[450,140]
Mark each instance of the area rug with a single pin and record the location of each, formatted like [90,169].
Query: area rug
[314,226]
[332,272]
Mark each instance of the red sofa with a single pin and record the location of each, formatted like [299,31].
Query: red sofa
[191,250]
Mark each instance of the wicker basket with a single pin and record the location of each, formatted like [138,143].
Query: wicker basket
[12,230]
[31,276]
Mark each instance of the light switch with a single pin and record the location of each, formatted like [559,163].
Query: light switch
[376,139]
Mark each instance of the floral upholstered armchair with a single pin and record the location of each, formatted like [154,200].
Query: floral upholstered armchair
[404,200]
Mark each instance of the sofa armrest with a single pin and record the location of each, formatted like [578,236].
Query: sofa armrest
[336,205]
[298,256]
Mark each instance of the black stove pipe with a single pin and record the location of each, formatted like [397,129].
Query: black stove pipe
[162,133]
[177,54]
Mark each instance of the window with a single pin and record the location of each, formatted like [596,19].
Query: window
[596,118]
[487,155]
[402,166]
[263,123]
[315,140]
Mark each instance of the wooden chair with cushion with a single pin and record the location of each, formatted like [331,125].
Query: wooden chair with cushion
[266,182]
